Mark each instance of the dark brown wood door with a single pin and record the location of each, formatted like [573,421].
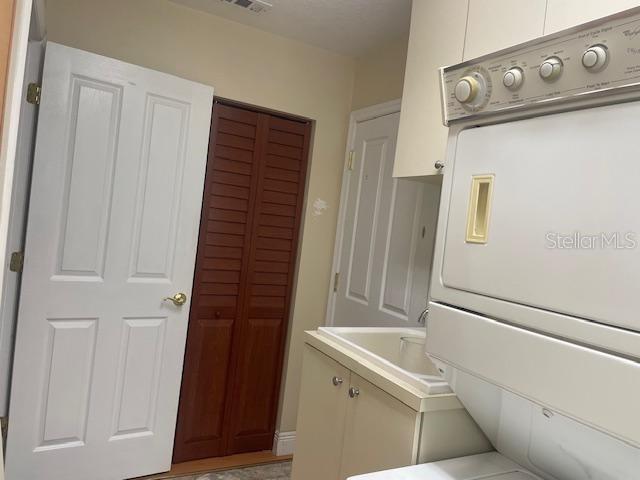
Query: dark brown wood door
[247,249]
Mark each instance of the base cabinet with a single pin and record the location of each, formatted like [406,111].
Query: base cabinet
[348,426]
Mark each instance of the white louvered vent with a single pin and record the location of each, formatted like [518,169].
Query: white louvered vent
[256,6]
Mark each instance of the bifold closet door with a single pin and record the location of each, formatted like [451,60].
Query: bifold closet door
[259,342]
[242,286]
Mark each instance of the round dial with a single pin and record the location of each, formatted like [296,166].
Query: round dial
[513,78]
[467,89]
[551,69]
[595,58]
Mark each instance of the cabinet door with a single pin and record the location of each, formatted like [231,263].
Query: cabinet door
[496,24]
[436,39]
[563,14]
[321,416]
[380,431]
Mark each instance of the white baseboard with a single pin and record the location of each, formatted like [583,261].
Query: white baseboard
[284,443]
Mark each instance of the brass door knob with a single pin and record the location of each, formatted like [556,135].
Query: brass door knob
[178,299]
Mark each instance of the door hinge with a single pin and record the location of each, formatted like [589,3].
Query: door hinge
[336,281]
[33,93]
[352,154]
[16,262]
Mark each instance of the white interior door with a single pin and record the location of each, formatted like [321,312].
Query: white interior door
[112,230]
[387,235]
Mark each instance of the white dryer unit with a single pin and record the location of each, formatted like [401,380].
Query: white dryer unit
[536,275]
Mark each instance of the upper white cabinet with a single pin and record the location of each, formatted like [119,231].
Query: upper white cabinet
[436,40]
[563,14]
[496,24]
[447,32]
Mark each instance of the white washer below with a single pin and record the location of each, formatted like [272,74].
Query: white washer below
[532,442]
[486,466]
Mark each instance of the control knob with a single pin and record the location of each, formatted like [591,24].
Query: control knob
[595,58]
[467,89]
[551,69]
[513,78]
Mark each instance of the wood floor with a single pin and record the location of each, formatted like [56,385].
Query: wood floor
[219,463]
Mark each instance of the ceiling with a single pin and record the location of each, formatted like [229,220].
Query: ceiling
[349,27]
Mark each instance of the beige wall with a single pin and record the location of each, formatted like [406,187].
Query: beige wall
[380,74]
[263,69]
[248,65]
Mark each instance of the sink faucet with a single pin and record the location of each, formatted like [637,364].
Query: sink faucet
[422,318]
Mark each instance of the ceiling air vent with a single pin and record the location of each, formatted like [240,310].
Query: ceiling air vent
[256,6]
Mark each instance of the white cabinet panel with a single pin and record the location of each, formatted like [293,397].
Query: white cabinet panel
[436,39]
[380,432]
[496,24]
[321,418]
[563,14]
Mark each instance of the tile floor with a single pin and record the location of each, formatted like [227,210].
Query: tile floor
[274,471]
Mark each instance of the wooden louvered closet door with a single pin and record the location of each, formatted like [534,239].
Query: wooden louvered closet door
[252,209]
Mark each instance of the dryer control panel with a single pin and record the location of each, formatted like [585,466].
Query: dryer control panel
[598,56]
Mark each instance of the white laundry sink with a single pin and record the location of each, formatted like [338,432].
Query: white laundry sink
[399,351]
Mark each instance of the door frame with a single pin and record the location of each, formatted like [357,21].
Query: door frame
[21,188]
[28,27]
[356,117]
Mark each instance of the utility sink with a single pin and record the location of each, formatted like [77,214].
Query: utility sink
[399,351]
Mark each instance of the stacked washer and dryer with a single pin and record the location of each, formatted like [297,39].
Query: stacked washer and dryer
[536,287]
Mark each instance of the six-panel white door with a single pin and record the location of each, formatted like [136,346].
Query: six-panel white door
[386,237]
[112,230]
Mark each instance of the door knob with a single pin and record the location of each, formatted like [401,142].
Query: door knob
[336,381]
[354,392]
[438,165]
[178,299]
